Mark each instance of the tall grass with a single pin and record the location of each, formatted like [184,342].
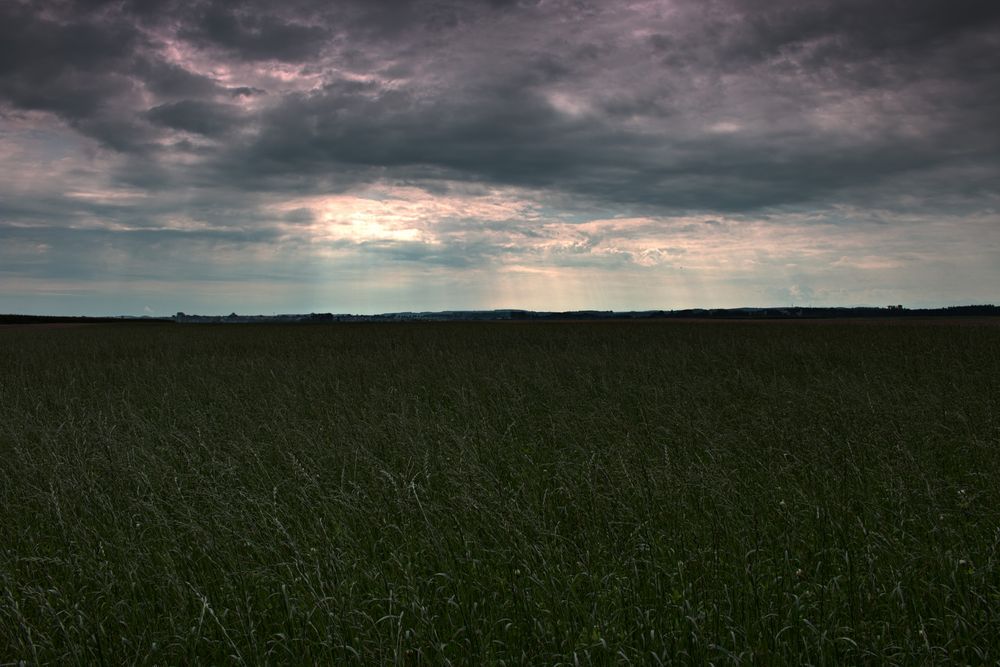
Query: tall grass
[500,493]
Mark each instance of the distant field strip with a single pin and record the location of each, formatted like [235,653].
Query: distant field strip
[500,493]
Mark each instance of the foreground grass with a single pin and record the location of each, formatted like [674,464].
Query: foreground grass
[500,493]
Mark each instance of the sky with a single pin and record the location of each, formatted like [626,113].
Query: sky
[362,157]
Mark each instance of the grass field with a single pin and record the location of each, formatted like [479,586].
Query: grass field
[500,493]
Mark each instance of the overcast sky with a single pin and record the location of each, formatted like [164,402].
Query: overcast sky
[309,155]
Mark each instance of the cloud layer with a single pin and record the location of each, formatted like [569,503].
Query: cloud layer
[551,154]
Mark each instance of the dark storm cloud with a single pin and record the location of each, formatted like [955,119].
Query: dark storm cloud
[69,70]
[169,81]
[729,105]
[919,76]
[250,35]
[848,29]
[210,119]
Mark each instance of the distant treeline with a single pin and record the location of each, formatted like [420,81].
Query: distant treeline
[591,315]
[985,310]
[792,312]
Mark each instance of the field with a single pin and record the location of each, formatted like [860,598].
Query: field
[500,493]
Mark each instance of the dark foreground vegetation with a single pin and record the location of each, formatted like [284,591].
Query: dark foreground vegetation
[500,493]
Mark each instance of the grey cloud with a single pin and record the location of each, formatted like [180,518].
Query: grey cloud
[78,71]
[31,42]
[210,119]
[82,254]
[449,255]
[491,121]
[819,33]
[70,69]
[170,81]
[252,35]
[245,91]
[597,106]
[299,216]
